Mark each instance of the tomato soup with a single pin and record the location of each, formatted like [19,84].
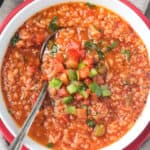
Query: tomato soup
[97,70]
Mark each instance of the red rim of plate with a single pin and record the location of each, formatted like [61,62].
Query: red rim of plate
[146,132]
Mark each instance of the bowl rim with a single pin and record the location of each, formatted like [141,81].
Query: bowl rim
[3,129]
[26,2]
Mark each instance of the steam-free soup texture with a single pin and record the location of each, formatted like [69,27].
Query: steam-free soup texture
[97,70]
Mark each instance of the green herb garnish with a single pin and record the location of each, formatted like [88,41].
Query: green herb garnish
[90,123]
[83,87]
[50,145]
[14,40]
[53,24]
[91,45]
[112,46]
[53,50]
[126,53]
[100,30]
[9,111]
[95,88]
[101,54]
[55,83]
[90,5]
[99,90]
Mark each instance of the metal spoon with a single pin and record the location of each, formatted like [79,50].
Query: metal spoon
[17,143]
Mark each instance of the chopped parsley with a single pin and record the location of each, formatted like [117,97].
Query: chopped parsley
[102,90]
[90,123]
[50,145]
[53,50]
[53,24]
[9,111]
[95,88]
[14,40]
[90,5]
[83,87]
[112,46]
[101,54]
[100,30]
[91,45]
[126,53]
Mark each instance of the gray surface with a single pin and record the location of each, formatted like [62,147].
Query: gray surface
[8,5]
[141,4]
[148,11]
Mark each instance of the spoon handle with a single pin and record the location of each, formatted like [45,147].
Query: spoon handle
[17,143]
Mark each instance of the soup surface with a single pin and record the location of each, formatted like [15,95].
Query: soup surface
[98,73]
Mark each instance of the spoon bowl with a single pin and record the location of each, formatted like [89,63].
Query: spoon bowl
[17,143]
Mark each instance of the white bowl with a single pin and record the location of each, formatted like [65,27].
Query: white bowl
[125,12]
